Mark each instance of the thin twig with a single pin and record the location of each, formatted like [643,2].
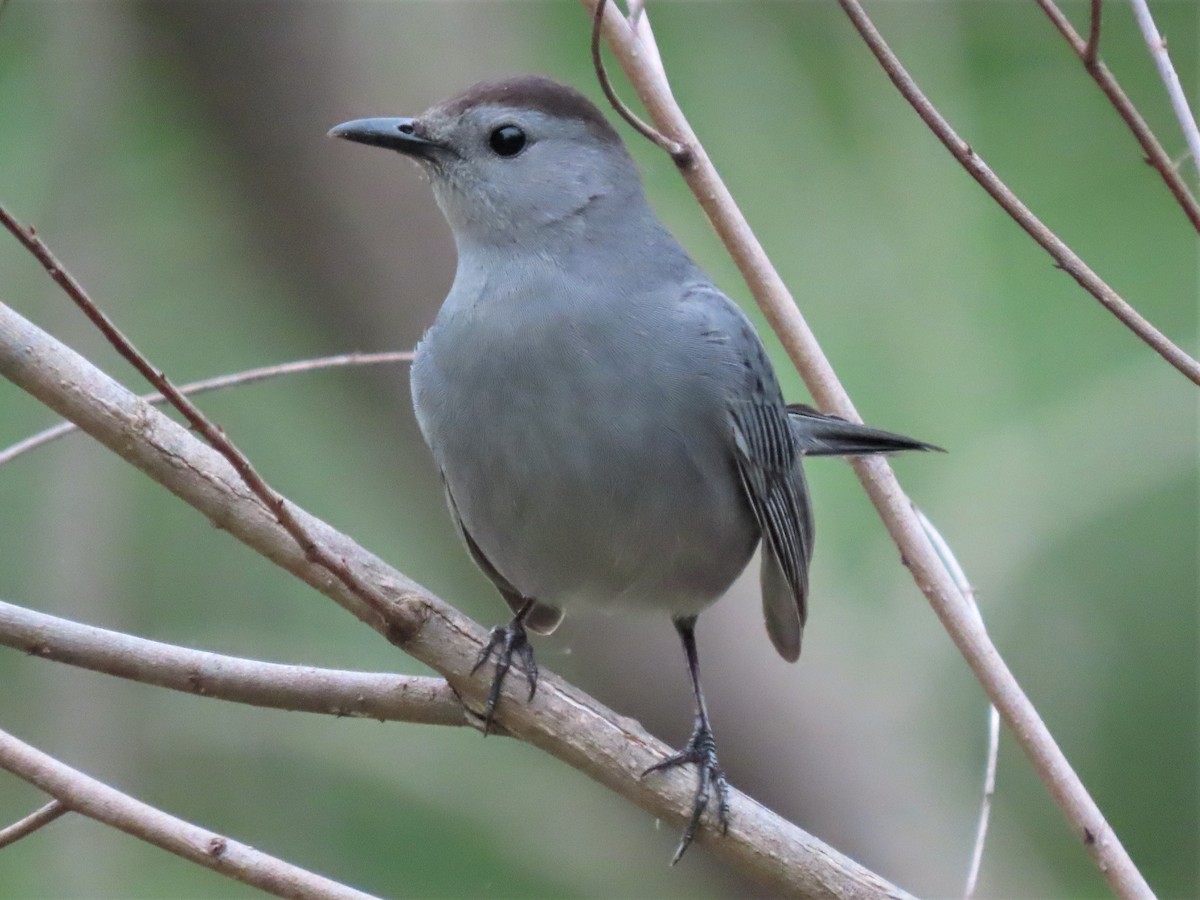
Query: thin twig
[954,567]
[217,383]
[561,720]
[1065,258]
[878,480]
[1092,49]
[386,697]
[1157,45]
[89,797]
[678,151]
[1155,154]
[211,433]
[35,820]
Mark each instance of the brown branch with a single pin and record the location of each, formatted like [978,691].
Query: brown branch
[1093,43]
[98,801]
[1064,257]
[211,433]
[36,819]
[219,382]
[1155,154]
[678,152]
[386,697]
[561,720]
[878,480]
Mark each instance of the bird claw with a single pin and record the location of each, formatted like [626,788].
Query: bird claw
[701,749]
[505,642]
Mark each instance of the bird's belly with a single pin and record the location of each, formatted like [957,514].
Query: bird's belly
[587,494]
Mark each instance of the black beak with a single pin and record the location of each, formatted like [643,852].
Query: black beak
[395,134]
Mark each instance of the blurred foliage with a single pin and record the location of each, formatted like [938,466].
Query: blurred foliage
[173,155]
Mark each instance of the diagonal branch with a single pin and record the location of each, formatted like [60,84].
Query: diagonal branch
[561,720]
[950,561]
[1092,50]
[1065,258]
[1157,45]
[1155,154]
[39,818]
[386,697]
[98,801]
[217,383]
[634,50]
[28,238]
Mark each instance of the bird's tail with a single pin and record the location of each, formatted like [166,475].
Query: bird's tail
[817,434]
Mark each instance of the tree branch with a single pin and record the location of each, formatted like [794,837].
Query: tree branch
[217,383]
[28,238]
[32,822]
[1157,45]
[1065,258]
[561,720]
[98,801]
[673,148]
[634,53]
[950,561]
[400,698]
[1155,154]
[1092,50]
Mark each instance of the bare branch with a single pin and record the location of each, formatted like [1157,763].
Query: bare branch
[1093,44]
[98,801]
[217,383]
[1157,45]
[35,820]
[1155,154]
[401,698]
[561,720]
[950,561]
[1064,256]
[677,151]
[878,480]
[211,433]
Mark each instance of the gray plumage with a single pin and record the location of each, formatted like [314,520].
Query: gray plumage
[609,428]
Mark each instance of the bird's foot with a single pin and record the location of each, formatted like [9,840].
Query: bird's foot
[701,749]
[506,642]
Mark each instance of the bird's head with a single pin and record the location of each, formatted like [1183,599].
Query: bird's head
[509,158]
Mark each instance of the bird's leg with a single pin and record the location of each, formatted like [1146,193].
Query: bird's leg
[700,749]
[505,642]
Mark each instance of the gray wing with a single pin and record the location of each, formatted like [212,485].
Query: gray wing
[541,618]
[767,459]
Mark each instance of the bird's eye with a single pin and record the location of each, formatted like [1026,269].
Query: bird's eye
[507,140]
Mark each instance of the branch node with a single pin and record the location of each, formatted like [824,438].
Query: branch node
[683,158]
[408,616]
[680,153]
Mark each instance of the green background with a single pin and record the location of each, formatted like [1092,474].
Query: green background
[174,156]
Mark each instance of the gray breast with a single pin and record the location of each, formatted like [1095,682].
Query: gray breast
[589,463]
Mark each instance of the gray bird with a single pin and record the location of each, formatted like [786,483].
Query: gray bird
[607,424]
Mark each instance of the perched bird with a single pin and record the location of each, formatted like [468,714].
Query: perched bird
[607,424]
